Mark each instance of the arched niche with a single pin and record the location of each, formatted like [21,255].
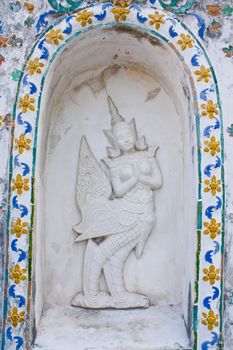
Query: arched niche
[162,77]
[147,82]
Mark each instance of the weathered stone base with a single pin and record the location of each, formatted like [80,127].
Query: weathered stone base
[139,329]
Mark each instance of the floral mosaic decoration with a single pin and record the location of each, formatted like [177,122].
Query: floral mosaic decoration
[173,5]
[207,303]
[219,14]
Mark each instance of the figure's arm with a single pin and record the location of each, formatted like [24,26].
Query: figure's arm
[153,180]
[120,187]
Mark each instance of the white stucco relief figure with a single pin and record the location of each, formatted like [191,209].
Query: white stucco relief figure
[118,212]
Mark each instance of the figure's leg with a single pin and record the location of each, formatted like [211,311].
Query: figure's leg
[93,264]
[96,256]
[113,271]
[92,269]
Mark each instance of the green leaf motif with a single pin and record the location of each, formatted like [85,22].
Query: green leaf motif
[230,130]
[29,22]
[170,5]
[71,5]
[15,6]
[173,6]
[228,51]
[227,10]
[16,75]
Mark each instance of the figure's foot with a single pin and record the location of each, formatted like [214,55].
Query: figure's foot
[131,300]
[124,300]
[100,301]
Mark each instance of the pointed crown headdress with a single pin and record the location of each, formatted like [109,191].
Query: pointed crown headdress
[117,121]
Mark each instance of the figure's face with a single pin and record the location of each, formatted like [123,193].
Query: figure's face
[125,138]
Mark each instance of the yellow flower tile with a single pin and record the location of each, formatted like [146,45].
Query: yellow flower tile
[15,317]
[84,17]
[210,320]
[19,228]
[19,184]
[210,109]
[17,274]
[22,144]
[203,74]
[185,41]
[212,228]
[157,19]
[26,103]
[211,275]
[120,13]
[213,185]
[34,66]
[54,37]
[212,146]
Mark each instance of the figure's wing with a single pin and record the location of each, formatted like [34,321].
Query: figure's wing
[104,219]
[93,184]
[100,216]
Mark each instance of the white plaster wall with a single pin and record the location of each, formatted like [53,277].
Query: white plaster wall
[74,103]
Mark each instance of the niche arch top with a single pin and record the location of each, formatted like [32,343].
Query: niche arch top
[210,183]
